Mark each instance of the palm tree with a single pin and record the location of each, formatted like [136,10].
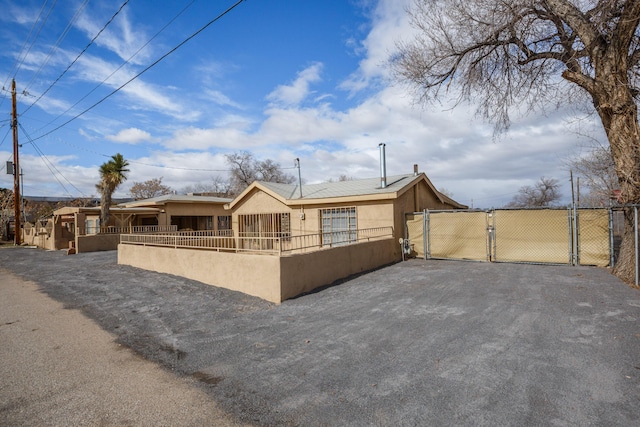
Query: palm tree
[112,174]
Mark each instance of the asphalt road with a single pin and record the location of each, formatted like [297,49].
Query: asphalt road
[416,343]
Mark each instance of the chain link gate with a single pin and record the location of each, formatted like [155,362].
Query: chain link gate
[540,236]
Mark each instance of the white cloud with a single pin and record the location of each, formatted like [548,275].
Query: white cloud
[144,96]
[389,24]
[119,37]
[220,98]
[130,136]
[299,89]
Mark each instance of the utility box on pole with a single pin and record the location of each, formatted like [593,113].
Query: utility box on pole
[9,168]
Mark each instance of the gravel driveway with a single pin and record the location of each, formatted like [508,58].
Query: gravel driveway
[416,343]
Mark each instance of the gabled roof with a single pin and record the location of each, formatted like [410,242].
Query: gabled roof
[362,189]
[177,198]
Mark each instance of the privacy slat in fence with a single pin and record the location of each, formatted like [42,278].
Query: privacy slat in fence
[537,236]
[415,234]
[593,237]
[458,235]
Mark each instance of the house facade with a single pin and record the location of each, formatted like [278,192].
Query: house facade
[288,240]
[334,210]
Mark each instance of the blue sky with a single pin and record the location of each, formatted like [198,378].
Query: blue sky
[282,79]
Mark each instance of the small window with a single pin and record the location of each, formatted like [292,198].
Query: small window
[339,226]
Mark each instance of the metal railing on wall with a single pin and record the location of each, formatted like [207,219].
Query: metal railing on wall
[271,245]
[83,231]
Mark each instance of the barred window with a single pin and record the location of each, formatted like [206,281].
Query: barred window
[339,226]
[265,225]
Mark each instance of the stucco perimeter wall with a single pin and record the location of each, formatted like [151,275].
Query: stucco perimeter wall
[302,273]
[269,277]
[257,275]
[97,242]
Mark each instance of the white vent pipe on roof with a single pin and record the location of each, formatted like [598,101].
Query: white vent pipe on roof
[383,166]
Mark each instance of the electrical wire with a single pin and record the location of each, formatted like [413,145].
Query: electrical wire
[5,137]
[55,47]
[26,40]
[79,55]
[46,18]
[13,67]
[50,165]
[121,65]
[144,70]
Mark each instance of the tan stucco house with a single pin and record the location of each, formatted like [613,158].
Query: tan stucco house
[267,209]
[79,228]
[287,240]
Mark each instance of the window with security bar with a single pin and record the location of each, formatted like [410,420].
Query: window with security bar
[265,225]
[339,226]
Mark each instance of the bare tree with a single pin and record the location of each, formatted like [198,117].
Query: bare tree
[217,187]
[6,211]
[148,189]
[598,174]
[511,53]
[341,178]
[446,192]
[245,169]
[543,193]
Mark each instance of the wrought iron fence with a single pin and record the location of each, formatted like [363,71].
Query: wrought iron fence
[274,245]
[83,231]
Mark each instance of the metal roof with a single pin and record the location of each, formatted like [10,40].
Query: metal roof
[327,190]
[180,198]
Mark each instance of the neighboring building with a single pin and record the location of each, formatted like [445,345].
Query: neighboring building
[186,212]
[289,240]
[79,228]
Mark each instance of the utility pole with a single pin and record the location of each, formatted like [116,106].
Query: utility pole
[16,167]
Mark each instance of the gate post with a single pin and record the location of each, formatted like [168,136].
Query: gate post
[611,244]
[573,236]
[425,231]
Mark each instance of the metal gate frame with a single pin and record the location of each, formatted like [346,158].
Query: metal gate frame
[573,236]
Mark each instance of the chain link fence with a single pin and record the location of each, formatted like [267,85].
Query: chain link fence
[532,235]
[554,236]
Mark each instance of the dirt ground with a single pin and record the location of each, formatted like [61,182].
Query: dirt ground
[60,368]
[416,343]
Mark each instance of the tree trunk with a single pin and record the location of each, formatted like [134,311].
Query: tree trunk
[619,115]
[105,206]
[625,264]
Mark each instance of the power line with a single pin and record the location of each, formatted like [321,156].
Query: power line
[5,137]
[50,165]
[120,67]
[15,66]
[144,70]
[55,47]
[79,55]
